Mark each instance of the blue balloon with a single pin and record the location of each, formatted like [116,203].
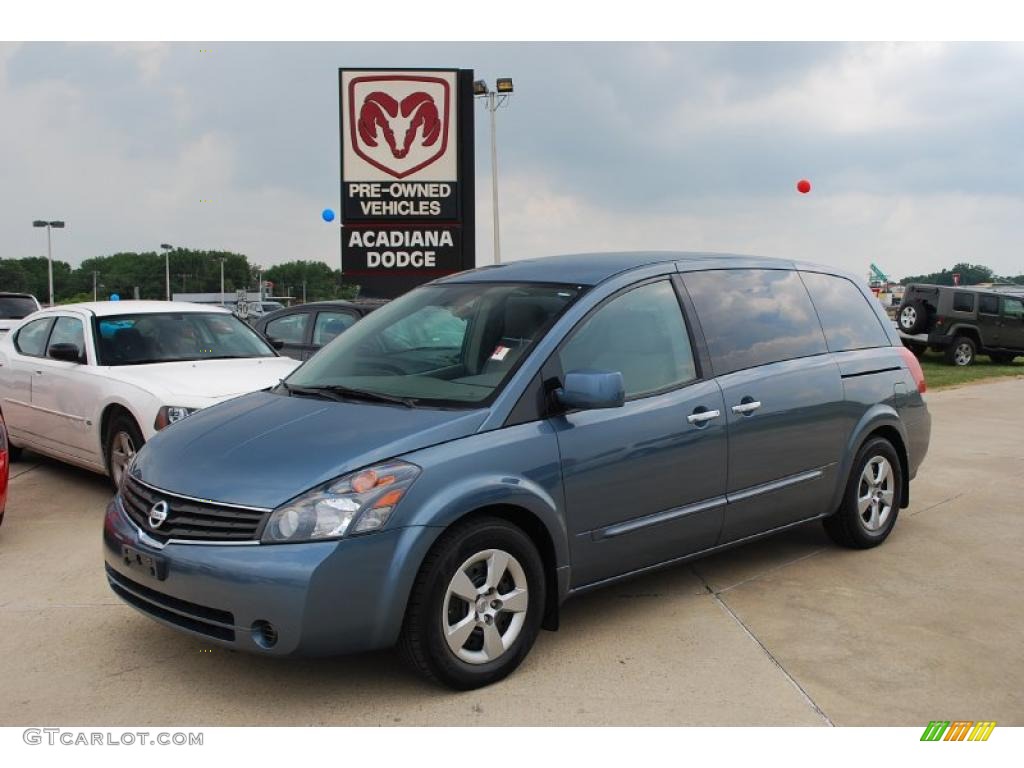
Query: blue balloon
[115,297]
[328,214]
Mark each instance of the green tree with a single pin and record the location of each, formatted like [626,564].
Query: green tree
[321,282]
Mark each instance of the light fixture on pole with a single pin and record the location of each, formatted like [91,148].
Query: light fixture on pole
[49,248]
[167,248]
[493,101]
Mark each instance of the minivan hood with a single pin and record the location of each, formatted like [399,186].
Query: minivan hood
[262,449]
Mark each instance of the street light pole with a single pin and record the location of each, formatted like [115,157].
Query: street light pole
[49,249]
[167,267]
[222,260]
[494,100]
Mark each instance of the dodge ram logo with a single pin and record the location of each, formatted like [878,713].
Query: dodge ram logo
[399,123]
[157,514]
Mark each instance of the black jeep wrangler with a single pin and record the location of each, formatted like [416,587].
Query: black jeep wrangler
[962,322]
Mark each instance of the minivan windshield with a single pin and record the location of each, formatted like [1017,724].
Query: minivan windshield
[167,337]
[448,344]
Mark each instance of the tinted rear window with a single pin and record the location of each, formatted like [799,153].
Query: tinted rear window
[16,307]
[963,302]
[847,318]
[988,304]
[754,317]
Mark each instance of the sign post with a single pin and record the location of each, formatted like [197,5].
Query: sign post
[407,182]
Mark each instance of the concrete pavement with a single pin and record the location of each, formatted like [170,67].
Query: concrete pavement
[790,630]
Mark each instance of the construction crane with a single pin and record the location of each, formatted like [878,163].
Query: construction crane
[877,275]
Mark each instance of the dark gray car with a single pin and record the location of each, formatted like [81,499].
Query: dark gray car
[456,465]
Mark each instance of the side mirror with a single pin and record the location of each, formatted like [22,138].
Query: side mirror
[587,390]
[276,343]
[65,351]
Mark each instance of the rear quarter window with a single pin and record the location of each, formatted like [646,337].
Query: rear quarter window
[754,317]
[846,316]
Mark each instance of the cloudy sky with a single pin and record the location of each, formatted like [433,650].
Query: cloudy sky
[915,151]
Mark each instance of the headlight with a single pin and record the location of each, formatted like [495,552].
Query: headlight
[359,502]
[170,414]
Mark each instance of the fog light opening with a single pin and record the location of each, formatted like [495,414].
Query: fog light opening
[264,634]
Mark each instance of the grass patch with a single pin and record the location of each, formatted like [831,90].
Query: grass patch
[938,374]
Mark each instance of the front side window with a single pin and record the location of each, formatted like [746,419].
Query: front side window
[846,317]
[451,344]
[31,340]
[329,325]
[753,317]
[176,336]
[963,302]
[641,334]
[290,329]
[69,330]
[1013,308]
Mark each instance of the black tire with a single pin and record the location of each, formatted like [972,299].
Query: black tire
[848,527]
[917,349]
[14,452]
[962,352]
[423,645]
[1002,358]
[121,423]
[913,317]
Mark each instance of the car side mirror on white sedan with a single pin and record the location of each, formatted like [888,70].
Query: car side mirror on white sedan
[65,351]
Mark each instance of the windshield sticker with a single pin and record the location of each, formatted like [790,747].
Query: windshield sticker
[500,352]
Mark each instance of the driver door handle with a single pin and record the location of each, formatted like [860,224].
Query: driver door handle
[702,416]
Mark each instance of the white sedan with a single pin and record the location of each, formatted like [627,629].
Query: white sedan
[90,383]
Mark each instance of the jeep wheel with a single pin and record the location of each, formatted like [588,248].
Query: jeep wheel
[1002,358]
[913,317]
[962,351]
[476,606]
[872,499]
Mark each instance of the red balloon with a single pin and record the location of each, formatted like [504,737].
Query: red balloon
[803,186]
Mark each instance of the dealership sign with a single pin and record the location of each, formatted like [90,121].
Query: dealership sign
[407,177]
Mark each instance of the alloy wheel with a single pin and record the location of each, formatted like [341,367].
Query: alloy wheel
[876,493]
[963,354]
[122,451]
[485,606]
[908,317]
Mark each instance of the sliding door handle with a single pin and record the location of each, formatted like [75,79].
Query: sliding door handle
[748,407]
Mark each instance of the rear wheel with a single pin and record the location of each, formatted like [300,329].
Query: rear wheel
[124,440]
[872,498]
[476,606]
[962,351]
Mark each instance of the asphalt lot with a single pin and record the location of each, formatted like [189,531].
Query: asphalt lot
[791,630]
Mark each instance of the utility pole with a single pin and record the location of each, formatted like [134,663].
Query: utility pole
[94,274]
[303,291]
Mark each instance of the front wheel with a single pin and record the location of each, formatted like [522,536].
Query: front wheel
[872,498]
[124,440]
[476,606]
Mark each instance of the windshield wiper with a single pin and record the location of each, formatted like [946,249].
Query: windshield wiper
[341,393]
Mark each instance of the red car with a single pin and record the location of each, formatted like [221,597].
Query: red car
[4,466]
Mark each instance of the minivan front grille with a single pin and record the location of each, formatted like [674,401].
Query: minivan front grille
[189,519]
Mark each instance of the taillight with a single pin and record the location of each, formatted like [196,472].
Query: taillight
[914,366]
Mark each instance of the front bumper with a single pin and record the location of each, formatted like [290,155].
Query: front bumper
[319,598]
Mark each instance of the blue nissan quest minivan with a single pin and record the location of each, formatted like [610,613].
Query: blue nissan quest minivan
[444,474]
